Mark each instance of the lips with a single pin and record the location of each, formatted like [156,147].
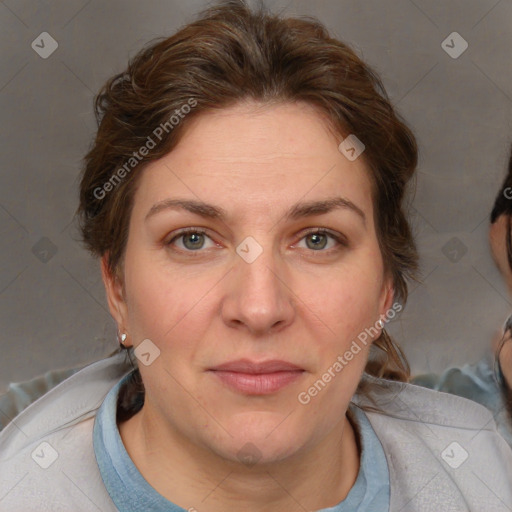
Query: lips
[253,378]
[247,366]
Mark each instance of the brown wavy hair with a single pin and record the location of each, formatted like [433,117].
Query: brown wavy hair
[227,55]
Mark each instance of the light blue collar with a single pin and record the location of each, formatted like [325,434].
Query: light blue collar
[130,492]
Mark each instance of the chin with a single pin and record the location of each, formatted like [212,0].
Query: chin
[257,440]
[258,452]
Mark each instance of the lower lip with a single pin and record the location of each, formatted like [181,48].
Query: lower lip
[257,384]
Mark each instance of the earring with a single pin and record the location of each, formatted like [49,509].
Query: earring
[121,338]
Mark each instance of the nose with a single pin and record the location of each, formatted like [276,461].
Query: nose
[259,297]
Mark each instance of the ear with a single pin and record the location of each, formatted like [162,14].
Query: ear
[387,296]
[114,288]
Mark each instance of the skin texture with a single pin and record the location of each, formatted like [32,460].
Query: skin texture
[208,306]
[497,239]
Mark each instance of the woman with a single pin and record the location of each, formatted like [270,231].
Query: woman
[489,381]
[500,237]
[244,193]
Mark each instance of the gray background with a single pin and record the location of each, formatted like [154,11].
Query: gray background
[53,311]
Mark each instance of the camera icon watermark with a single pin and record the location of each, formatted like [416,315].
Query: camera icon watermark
[44,455]
[454,455]
[44,250]
[249,249]
[351,147]
[454,45]
[249,454]
[454,249]
[44,45]
[146,352]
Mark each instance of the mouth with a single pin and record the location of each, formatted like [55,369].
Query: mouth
[252,378]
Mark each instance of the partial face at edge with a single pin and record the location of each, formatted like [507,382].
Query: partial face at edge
[498,242]
[317,284]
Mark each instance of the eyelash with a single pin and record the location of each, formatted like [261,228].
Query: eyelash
[340,239]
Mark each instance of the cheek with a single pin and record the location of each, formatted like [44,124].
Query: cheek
[349,299]
[152,299]
[165,306]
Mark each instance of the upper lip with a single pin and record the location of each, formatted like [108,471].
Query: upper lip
[248,366]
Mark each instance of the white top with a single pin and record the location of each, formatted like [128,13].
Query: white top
[443,452]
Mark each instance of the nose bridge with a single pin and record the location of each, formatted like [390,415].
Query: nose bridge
[260,300]
[258,271]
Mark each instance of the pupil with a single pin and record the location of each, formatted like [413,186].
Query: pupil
[195,239]
[317,240]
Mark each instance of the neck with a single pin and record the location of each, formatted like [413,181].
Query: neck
[195,478]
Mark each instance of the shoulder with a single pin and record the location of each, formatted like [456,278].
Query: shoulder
[20,395]
[439,447]
[474,381]
[47,458]
[409,401]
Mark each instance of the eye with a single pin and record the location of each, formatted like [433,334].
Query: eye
[191,240]
[320,239]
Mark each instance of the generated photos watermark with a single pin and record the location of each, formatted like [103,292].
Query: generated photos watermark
[151,143]
[304,397]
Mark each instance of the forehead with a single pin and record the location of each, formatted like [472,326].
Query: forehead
[257,156]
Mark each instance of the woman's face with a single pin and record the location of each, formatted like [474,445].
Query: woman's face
[498,241]
[252,283]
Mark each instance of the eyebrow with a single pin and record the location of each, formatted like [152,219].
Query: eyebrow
[298,211]
[311,208]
